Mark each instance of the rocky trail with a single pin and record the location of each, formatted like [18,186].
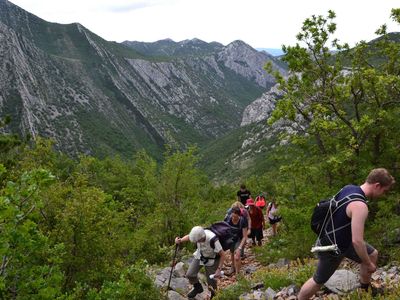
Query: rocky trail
[249,262]
[344,280]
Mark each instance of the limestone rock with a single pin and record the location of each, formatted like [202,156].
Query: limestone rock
[179,270]
[282,262]
[270,294]
[342,281]
[180,285]
[172,295]
[261,108]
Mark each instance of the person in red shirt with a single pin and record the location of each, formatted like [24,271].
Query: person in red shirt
[257,222]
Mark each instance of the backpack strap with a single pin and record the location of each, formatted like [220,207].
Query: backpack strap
[333,208]
[212,241]
[205,259]
[347,199]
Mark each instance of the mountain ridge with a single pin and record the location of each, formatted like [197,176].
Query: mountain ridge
[98,97]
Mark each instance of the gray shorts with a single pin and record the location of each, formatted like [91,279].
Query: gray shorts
[328,262]
[235,246]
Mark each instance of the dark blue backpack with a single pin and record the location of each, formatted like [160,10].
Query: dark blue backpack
[224,233]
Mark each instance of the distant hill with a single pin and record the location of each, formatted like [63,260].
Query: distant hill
[272,51]
[169,48]
[247,150]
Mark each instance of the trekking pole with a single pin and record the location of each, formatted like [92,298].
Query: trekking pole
[173,265]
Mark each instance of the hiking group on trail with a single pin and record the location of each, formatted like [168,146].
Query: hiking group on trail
[243,219]
[339,223]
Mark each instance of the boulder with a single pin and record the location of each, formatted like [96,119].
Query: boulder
[270,294]
[342,281]
[282,262]
[256,295]
[292,290]
[179,270]
[180,285]
[205,295]
[250,269]
[162,277]
[172,295]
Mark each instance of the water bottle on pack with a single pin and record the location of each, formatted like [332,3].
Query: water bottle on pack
[213,275]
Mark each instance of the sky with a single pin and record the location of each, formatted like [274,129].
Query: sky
[259,23]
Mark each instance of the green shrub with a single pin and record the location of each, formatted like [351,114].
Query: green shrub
[382,229]
[133,284]
[296,273]
[301,271]
[276,279]
[234,291]
[294,238]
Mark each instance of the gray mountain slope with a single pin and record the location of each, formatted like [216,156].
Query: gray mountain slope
[101,98]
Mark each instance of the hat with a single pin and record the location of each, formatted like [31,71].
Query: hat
[250,202]
[196,234]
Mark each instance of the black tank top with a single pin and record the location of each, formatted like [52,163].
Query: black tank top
[341,222]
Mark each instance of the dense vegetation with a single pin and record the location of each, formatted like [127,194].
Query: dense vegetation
[88,228]
[344,110]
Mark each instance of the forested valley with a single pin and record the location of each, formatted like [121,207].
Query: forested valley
[91,228]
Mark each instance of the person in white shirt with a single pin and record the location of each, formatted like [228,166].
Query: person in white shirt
[205,255]
[273,217]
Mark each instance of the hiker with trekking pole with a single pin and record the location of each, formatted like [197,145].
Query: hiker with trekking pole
[209,253]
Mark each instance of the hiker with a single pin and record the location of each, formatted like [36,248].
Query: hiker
[211,258]
[257,222]
[240,227]
[260,201]
[273,217]
[349,221]
[244,213]
[243,194]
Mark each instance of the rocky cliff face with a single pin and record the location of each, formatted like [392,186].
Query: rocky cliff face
[241,58]
[261,108]
[99,97]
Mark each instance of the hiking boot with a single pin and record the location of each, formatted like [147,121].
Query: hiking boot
[212,293]
[377,291]
[374,291]
[197,289]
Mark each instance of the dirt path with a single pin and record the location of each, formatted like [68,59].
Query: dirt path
[249,261]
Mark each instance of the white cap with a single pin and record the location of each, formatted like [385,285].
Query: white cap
[196,234]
